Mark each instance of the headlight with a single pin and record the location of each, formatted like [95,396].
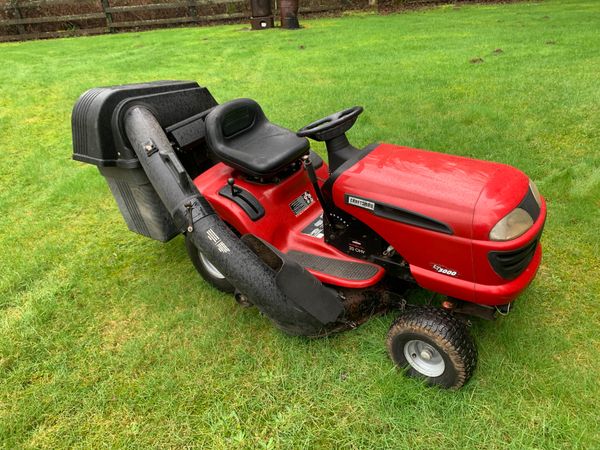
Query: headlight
[513,225]
[536,193]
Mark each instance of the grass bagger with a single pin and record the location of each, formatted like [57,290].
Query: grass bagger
[319,248]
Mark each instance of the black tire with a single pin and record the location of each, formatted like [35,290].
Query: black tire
[203,266]
[420,332]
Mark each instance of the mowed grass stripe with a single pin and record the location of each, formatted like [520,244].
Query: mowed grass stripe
[110,339]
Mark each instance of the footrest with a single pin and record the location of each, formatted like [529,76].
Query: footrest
[338,268]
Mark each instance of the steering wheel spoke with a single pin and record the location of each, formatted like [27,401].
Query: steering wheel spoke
[331,126]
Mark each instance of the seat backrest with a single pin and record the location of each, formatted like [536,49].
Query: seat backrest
[233,118]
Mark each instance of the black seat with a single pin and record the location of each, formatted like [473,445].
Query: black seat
[240,135]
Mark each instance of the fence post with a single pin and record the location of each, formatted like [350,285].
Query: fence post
[18,15]
[109,21]
[193,10]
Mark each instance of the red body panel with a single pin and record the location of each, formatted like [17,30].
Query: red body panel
[279,226]
[468,195]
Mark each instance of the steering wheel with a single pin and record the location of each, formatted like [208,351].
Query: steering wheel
[331,126]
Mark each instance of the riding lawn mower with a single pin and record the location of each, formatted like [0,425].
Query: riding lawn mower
[319,247]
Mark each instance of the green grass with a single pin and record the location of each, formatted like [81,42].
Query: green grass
[108,339]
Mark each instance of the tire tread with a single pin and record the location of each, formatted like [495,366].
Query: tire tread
[445,330]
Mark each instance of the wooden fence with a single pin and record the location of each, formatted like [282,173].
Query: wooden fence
[19,20]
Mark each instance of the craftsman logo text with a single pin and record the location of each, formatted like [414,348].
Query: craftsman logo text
[361,203]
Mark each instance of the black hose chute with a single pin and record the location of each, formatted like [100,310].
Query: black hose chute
[291,297]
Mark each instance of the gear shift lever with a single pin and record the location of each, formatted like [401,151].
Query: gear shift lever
[231,183]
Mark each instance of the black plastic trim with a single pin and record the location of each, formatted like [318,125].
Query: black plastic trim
[349,270]
[510,264]
[245,200]
[530,205]
[402,215]
[188,132]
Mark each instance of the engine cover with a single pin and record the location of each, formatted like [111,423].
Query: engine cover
[436,210]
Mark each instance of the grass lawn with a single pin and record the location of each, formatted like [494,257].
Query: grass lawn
[110,339]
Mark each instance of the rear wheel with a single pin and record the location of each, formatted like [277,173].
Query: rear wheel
[206,269]
[433,345]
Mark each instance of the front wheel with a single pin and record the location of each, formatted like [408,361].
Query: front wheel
[433,345]
[206,269]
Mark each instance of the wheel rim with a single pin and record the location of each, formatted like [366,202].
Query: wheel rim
[210,268]
[424,358]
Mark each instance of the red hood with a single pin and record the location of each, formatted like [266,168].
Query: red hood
[468,195]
